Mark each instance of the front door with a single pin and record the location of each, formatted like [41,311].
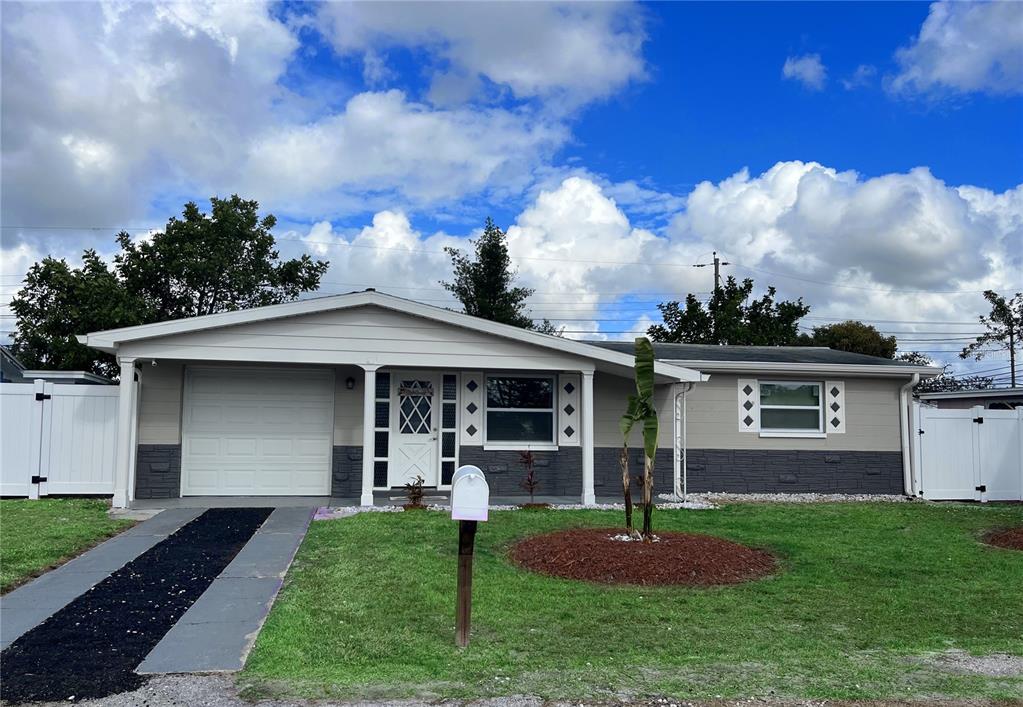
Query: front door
[413,398]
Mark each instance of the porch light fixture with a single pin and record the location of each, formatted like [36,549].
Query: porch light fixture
[350,383]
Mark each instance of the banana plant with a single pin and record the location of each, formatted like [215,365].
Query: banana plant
[642,411]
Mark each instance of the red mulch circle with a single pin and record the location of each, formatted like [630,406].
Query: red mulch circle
[686,559]
[1011,539]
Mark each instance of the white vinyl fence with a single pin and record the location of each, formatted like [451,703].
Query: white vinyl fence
[974,454]
[57,439]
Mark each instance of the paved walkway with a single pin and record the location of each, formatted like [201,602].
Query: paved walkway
[217,632]
[31,604]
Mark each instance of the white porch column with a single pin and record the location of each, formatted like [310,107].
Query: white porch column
[586,397]
[368,436]
[123,492]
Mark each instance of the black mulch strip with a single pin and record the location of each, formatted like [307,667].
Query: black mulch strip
[91,647]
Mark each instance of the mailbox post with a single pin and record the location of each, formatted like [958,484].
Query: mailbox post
[470,503]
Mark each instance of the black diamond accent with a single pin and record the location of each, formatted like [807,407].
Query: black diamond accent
[471,429]
[747,390]
[835,422]
[472,386]
[569,387]
[747,420]
[471,407]
[834,391]
[835,407]
[748,405]
[569,431]
[569,409]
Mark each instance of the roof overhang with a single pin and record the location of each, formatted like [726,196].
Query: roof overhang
[843,369]
[982,393]
[112,339]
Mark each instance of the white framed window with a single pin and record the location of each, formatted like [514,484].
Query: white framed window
[791,409]
[519,410]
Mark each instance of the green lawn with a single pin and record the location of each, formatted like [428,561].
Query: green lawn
[865,591]
[37,535]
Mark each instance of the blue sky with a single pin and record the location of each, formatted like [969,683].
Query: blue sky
[865,156]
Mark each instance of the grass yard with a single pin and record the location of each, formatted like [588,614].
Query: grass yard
[37,535]
[865,594]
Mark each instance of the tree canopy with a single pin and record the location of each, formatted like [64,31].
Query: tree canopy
[200,264]
[853,336]
[1004,325]
[731,317]
[485,283]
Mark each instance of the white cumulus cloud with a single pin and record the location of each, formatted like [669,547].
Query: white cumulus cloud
[964,47]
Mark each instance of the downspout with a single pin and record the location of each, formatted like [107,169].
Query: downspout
[681,481]
[905,422]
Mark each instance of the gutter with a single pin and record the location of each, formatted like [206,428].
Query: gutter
[847,369]
[905,422]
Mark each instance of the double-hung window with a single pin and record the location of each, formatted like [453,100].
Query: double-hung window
[790,407]
[520,409]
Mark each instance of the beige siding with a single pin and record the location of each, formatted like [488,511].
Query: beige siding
[160,403]
[872,416]
[359,335]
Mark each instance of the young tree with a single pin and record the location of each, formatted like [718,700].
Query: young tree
[1004,325]
[642,410]
[201,264]
[853,336]
[730,317]
[485,284]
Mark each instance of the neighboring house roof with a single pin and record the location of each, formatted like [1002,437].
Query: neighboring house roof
[10,367]
[775,358]
[79,377]
[974,393]
[112,339]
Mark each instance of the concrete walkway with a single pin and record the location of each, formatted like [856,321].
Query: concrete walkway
[218,631]
[31,604]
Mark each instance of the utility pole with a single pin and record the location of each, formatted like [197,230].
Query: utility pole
[717,271]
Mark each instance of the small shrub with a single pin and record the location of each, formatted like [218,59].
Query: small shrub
[530,484]
[414,493]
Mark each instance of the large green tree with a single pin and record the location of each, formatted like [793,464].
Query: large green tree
[199,264]
[731,317]
[853,336]
[1004,326]
[946,381]
[485,283]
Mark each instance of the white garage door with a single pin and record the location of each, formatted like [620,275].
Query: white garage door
[260,432]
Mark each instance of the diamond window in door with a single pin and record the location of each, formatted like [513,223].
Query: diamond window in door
[416,408]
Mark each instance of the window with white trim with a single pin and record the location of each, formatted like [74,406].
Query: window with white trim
[791,406]
[519,409]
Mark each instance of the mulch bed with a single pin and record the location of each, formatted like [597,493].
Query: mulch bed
[1011,539]
[91,647]
[686,559]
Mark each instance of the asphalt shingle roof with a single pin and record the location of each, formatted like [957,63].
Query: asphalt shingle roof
[752,354]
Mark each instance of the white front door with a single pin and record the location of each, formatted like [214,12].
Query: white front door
[414,424]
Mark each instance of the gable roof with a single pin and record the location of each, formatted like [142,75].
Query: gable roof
[774,358]
[111,339]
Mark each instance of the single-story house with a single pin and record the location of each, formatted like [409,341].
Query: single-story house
[989,398]
[353,394]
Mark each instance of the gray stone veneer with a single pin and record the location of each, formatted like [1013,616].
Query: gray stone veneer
[346,472]
[737,471]
[158,471]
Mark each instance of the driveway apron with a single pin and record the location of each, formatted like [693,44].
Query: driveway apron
[92,643]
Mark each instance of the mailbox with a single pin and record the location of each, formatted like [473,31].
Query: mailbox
[470,494]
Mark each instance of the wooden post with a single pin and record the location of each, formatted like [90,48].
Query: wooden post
[463,609]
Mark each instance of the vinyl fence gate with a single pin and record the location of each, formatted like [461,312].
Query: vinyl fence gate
[57,439]
[974,454]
